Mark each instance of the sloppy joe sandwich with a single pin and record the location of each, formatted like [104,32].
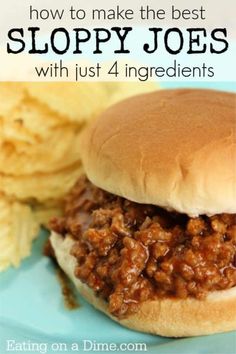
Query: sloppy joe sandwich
[148,234]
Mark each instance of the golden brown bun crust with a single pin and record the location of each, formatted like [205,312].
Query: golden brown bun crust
[172,148]
[165,317]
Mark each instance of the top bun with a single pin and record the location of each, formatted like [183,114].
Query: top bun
[171,148]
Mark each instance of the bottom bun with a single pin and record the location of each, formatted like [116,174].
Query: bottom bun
[165,317]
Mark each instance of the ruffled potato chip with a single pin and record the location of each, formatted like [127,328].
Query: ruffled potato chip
[62,149]
[18,229]
[79,102]
[32,118]
[40,127]
[43,213]
[42,186]
[11,94]
[14,131]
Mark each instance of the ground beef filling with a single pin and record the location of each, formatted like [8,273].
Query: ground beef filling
[128,252]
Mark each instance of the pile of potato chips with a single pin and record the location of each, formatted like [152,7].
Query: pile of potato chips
[40,127]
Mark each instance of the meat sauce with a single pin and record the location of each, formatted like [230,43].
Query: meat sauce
[129,252]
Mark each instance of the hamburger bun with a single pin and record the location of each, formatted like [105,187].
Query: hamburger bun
[165,317]
[171,148]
